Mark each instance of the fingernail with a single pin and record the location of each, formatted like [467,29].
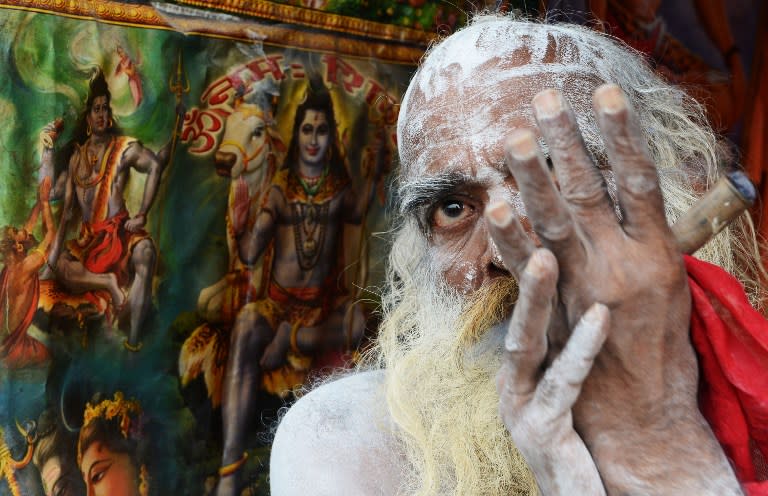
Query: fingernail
[536,264]
[595,314]
[610,99]
[500,214]
[548,103]
[522,145]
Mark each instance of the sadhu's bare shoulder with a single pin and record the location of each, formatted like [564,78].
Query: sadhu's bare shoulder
[337,440]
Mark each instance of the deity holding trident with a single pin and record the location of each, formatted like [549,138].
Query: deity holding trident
[112,251]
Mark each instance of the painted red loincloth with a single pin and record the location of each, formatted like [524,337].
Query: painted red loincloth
[731,340]
[106,246]
[17,348]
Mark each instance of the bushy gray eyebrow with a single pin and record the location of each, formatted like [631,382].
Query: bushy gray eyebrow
[418,193]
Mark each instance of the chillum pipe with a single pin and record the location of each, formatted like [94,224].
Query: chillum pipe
[728,198]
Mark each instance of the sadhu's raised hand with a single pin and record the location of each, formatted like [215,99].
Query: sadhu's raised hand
[535,399]
[637,411]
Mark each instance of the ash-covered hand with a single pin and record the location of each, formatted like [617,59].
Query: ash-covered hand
[535,404]
[637,411]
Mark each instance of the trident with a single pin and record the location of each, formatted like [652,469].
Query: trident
[178,84]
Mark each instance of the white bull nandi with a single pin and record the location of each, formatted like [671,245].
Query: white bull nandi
[248,153]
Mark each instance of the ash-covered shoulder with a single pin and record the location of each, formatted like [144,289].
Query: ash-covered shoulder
[337,440]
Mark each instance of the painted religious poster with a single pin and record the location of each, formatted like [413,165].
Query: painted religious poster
[189,209]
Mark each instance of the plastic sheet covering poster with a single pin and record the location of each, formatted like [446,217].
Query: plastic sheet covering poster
[188,209]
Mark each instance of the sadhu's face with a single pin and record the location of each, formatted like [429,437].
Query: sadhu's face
[452,128]
[98,116]
[107,473]
[456,161]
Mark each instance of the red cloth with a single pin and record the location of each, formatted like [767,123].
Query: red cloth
[731,339]
[107,244]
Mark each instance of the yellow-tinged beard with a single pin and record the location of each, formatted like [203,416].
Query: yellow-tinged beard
[441,357]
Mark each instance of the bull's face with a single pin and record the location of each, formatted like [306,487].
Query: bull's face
[244,146]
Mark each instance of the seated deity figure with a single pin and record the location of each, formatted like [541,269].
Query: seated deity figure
[306,319]
[113,252]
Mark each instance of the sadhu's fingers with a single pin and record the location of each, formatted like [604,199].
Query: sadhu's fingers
[546,209]
[637,181]
[526,339]
[581,183]
[560,387]
[514,244]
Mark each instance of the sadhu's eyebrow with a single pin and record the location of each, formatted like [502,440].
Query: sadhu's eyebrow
[416,193]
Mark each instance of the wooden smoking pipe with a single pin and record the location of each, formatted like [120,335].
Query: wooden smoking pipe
[728,198]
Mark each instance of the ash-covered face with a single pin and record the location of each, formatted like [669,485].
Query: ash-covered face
[458,172]
[460,244]
[467,97]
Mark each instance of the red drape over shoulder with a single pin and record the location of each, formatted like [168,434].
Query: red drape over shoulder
[731,340]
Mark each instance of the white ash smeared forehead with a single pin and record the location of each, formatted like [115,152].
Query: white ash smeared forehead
[532,48]
[477,85]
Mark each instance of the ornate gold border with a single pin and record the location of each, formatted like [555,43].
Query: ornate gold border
[113,12]
[317,19]
[285,35]
[103,10]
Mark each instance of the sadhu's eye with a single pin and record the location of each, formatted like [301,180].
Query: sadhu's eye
[453,209]
[449,212]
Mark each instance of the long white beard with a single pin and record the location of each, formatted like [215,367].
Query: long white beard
[441,355]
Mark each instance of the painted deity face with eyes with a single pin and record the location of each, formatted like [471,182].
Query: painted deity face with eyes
[99,115]
[106,472]
[314,138]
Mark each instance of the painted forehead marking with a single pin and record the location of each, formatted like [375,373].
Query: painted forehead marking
[317,116]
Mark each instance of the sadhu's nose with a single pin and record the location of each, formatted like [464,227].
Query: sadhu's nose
[496,265]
